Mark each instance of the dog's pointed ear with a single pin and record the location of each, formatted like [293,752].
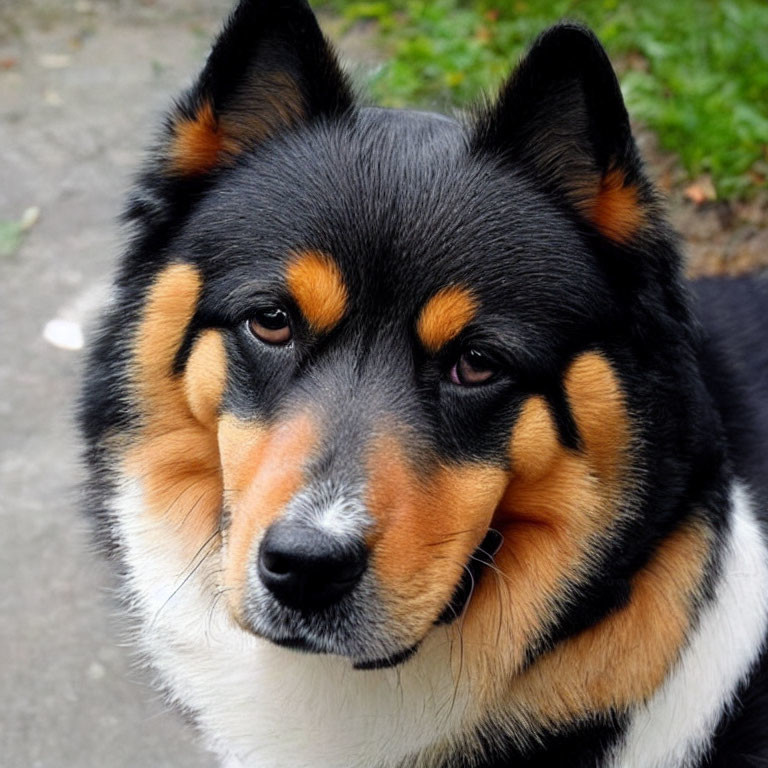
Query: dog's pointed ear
[270,69]
[561,119]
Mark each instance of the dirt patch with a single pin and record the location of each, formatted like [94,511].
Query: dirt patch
[721,237]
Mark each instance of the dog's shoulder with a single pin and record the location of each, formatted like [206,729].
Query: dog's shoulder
[733,313]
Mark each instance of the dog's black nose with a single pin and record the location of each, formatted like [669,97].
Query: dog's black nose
[307,569]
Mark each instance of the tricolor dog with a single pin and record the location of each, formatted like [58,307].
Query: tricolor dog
[411,444]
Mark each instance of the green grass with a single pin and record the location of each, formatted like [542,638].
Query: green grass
[11,233]
[694,71]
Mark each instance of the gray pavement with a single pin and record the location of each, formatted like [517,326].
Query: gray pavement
[80,84]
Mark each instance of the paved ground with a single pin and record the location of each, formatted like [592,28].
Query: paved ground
[78,89]
[80,84]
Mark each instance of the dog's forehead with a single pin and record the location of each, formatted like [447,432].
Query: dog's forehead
[398,204]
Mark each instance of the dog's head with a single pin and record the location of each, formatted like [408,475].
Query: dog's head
[378,362]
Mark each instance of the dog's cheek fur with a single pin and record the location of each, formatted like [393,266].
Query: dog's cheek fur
[559,508]
[560,512]
[174,455]
[426,526]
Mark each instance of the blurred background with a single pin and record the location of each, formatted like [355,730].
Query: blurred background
[82,83]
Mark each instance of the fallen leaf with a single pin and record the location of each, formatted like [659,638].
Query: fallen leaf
[701,191]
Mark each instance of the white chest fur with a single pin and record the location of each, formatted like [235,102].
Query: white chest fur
[266,707]
[675,727]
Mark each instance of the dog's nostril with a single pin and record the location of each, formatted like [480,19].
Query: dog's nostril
[305,568]
[276,563]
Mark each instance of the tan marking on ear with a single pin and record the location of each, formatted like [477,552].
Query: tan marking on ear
[200,143]
[270,103]
[615,209]
[445,316]
[426,527]
[205,377]
[317,286]
[263,470]
[175,455]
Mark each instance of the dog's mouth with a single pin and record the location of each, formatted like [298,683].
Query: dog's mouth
[473,570]
[307,645]
[478,560]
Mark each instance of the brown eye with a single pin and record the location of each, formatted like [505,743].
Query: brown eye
[472,368]
[271,325]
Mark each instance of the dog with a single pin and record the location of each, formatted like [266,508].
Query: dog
[411,444]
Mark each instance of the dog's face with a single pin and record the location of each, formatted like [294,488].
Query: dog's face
[375,352]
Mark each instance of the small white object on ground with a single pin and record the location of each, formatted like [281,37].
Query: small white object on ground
[64,334]
[29,218]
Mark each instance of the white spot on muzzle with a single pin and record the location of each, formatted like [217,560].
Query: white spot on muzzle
[335,509]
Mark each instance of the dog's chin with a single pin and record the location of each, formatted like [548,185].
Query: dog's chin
[304,644]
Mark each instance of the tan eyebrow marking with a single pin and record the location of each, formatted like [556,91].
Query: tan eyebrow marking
[445,316]
[317,286]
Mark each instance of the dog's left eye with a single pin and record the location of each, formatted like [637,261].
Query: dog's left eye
[472,368]
[271,325]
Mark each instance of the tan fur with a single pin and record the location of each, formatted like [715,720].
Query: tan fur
[559,505]
[614,207]
[558,508]
[317,286]
[621,661]
[200,143]
[263,468]
[205,378]
[175,456]
[445,316]
[426,527]
[209,140]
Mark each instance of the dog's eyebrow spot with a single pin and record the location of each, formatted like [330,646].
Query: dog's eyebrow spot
[445,316]
[317,286]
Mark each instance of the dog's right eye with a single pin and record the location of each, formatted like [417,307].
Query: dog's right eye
[271,325]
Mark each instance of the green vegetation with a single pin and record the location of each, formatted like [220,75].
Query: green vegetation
[10,237]
[695,71]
